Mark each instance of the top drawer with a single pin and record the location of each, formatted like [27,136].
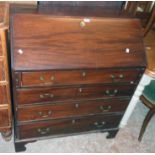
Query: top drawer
[55,78]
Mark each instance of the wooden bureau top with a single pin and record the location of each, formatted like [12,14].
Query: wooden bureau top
[43,42]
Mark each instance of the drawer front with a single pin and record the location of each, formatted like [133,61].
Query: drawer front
[59,127]
[4,117]
[3,95]
[38,95]
[69,109]
[78,77]
[2,71]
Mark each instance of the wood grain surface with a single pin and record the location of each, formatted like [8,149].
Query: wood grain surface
[65,126]
[71,109]
[72,77]
[42,95]
[48,42]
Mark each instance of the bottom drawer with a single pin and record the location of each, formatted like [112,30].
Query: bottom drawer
[4,117]
[66,126]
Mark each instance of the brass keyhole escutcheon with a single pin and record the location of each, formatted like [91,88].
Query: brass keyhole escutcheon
[41,78]
[82,24]
[83,74]
[52,78]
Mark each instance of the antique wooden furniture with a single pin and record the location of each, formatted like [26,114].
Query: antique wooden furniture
[72,74]
[148,98]
[5,99]
[144,10]
[150,22]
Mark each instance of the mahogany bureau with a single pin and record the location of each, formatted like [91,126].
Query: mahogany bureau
[72,74]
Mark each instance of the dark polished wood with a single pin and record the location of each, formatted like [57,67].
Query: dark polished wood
[85,76]
[48,94]
[112,134]
[71,109]
[72,74]
[98,122]
[20,146]
[84,43]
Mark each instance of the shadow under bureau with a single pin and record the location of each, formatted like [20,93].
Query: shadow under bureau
[72,74]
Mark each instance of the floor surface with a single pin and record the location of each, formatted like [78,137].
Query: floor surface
[125,141]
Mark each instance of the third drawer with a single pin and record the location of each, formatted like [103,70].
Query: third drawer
[71,109]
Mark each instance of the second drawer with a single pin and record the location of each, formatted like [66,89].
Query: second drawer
[70,109]
[39,95]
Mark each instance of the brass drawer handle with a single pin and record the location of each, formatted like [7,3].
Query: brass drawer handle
[117,78]
[41,114]
[52,78]
[105,108]
[46,96]
[41,78]
[111,93]
[44,131]
[99,125]
[113,76]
